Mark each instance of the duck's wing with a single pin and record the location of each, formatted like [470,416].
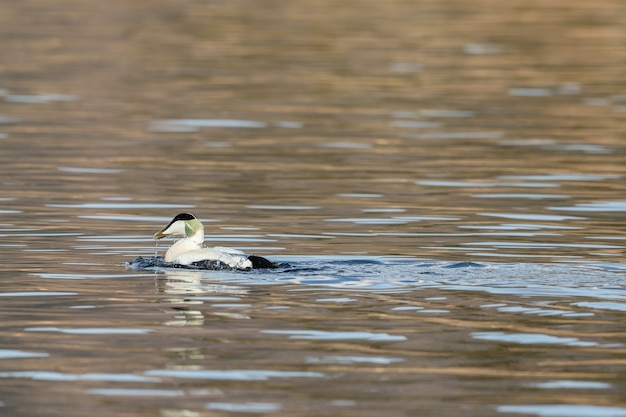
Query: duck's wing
[224,249]
[231,257]
[196,255]
[257,262]
[234,258]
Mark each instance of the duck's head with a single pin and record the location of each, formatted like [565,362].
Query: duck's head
[183,225]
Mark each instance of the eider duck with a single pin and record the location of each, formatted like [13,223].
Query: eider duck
[190,251]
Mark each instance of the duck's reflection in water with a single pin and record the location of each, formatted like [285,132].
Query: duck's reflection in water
[195,290]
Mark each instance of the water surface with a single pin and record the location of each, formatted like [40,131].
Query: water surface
[444,181]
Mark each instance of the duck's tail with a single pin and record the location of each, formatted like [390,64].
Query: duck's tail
[259,262]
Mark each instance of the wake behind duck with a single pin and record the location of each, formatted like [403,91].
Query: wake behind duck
[189,252]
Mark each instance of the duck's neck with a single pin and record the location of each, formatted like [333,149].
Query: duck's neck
[197,237]
[187,244]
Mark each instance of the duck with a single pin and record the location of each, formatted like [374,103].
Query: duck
[189,250]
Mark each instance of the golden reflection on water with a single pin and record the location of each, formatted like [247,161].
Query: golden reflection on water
[473,131]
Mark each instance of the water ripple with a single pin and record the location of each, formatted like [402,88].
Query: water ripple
[122,206]
[602,207]
[88,330]
[326,335]
[249,407]
[564,410]
[193,125]
[36,293]
[58,376]
[125,392]
[232,374]
[19,354]
[531,338]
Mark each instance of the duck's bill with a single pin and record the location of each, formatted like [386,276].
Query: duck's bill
[160,234]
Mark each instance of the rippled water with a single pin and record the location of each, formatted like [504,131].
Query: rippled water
[442,183]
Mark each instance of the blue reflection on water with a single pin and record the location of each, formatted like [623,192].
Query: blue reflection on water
[58,376]
[136,392]
[565,410]
[531,338]
[565,384]
[232,374]
[19,354]
[192,125]
[250,407]
[326,335]
[89,330]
